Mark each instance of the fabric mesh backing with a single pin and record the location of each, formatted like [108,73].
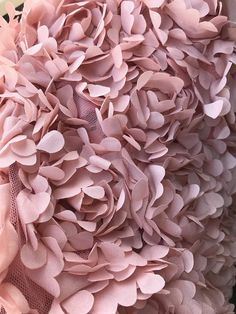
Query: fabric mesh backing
[37,297]
[86,111]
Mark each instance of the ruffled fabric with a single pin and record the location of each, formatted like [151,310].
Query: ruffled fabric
[120,119]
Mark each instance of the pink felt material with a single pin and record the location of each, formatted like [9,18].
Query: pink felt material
[117,157]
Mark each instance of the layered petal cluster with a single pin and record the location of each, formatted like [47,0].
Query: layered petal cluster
[118,120]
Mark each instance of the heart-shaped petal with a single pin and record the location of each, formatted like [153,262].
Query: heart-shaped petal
[150,283]
[81,302]
[52,142]
[33,259]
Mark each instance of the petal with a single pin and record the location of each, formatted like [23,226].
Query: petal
[81,302]
[132,142]
[57,25]
[15,299]
[96,192]
[33,259]
[153,3]
[150,283]
[156,19]
[30,206]
[53,173]
[24,148]
[87,225]
[117,56]
[34,49]
[27,161]
[43,33]
[111,144]
[127,19]
[214,109]
[82,241]
[6,159]
[9,244]
[52,142]
[154,252]
[16,139]
[73,186]
[125,292]
[188,260]
[76,64]
[100,162]
[104,304]
[156,120]
[100,275]
[98,90]
[143,79]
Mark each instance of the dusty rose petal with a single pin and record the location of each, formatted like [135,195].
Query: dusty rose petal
[34,49]
[53,173]
[33,259]
[154,3]
[100,162]
[98,90]
[214,109]
[52,142]
[82,241]
[15,301]
[25,148]
[96,192]
[125,293]
[117,56]
[155,252]
[150,283]
[102,304]
[32,205]
[127,19]
[82,301]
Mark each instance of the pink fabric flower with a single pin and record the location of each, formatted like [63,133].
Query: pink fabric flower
[117,134]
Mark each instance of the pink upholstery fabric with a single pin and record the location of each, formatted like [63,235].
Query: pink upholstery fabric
[117,157]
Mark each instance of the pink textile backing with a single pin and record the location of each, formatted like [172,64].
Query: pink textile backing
[117,157]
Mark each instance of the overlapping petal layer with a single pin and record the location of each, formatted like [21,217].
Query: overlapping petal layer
[120,117]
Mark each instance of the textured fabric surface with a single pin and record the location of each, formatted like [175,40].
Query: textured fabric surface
[117,157]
